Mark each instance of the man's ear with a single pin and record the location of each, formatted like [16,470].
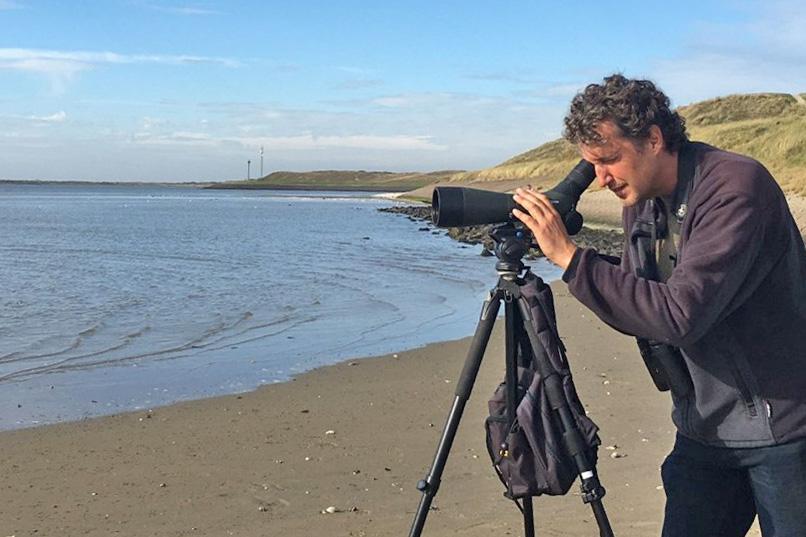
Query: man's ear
[656,141]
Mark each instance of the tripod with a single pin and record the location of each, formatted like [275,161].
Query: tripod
[511,245]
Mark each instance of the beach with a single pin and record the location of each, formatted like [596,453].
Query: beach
[356,436]
[338,451]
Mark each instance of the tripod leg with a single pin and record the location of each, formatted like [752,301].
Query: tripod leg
[592,490]
[513,322]
[430,485]
[528,518]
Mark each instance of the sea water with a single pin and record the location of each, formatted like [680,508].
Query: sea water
[117,298]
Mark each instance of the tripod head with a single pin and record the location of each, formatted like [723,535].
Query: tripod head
[511,244]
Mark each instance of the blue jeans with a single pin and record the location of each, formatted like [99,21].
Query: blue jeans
[717,492]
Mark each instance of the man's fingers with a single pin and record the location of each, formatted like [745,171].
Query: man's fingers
[533,204]
[534,223]
[526,203]
[535,201]
[522,216]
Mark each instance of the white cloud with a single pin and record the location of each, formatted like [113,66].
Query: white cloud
[563,90]
[31,58]
[60,67]
[308,141]
[392,102]
[431,100]
[358,84]
[186,138]
[58,72]
[304,142]
[183,10]
[358,71]
[58,117]
[454,130]
[150,123]
[500,76]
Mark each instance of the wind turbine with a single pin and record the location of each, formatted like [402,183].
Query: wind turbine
[261,161]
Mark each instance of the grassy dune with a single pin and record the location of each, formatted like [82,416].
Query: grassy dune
[770,127]
[342,180]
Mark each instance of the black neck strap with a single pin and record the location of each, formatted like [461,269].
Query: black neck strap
[645,232]
[686,168]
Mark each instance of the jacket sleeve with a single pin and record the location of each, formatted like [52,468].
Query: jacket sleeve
[719,263]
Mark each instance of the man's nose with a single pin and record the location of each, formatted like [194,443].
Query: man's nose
[603,176]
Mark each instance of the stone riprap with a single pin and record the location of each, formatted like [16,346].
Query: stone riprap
[605,241]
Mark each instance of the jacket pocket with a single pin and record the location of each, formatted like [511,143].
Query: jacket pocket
[744,390]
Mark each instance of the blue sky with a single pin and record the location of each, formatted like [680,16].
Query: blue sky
[158,90]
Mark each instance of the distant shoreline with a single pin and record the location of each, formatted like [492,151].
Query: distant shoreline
[207,186]
[45,182]
[328,188]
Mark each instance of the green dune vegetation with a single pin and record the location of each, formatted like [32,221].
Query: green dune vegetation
[770,127]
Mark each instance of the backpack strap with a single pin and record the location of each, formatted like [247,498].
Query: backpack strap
[544,298]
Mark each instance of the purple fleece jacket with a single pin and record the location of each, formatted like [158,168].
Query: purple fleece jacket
[735,303]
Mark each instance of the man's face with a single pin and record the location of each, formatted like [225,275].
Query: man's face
[627,168]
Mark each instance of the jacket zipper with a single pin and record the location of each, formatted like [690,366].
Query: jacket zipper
[745,392]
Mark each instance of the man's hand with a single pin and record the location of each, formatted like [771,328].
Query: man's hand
[546,225]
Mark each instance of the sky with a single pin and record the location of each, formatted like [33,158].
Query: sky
[159,90]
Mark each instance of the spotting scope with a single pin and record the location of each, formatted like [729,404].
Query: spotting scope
[457,206]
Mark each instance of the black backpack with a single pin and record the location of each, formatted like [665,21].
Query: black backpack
[531,457]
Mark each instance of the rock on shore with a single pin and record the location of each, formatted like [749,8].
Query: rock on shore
[605,241]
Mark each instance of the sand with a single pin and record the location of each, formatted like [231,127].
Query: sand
[356,437]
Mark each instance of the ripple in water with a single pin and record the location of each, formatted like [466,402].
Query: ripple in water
[128,297]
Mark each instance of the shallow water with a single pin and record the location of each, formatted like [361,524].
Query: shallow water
[116,298]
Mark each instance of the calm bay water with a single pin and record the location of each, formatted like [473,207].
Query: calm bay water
[116,298]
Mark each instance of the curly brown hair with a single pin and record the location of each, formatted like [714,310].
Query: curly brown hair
[632,105]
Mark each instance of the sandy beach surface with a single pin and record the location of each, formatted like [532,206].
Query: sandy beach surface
[353,437]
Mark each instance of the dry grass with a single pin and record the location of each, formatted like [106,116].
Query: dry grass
[739,108]
[343,180]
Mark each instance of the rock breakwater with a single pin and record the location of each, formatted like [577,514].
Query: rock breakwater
[605,241]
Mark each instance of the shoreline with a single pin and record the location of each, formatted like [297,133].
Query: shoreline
[355,436]
[306,188]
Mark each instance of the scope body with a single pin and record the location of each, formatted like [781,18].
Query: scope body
[459,206]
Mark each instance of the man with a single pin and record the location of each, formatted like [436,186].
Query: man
[724,280]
